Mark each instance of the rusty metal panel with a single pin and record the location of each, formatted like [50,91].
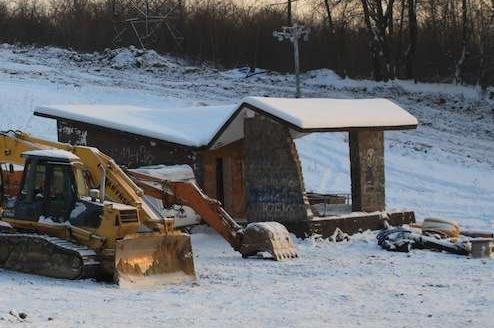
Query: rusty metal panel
[238,185]
[208,174]
[233,176]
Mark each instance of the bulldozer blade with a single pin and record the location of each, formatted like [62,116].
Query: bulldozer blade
[270,237]
[150,259]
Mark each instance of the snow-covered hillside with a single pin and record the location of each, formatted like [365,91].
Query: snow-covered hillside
[444,168]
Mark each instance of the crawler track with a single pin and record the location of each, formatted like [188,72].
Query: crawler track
[47,256]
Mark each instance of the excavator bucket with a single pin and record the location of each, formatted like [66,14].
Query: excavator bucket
[270,237]
[143,260]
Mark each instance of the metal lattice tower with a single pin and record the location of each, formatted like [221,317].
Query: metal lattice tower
[143,20]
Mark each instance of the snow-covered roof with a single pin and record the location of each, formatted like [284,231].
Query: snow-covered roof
[52,153]
[308,115]
[215,126]
[190,126]
[337,114]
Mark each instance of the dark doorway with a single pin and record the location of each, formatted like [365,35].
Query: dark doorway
[220,186]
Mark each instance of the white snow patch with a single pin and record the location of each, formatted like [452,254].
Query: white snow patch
[322,76]
[315,113]
[52,153]
[78,210]
[52,221]
[191,126]
[243,72]
[124,59]
[169,172]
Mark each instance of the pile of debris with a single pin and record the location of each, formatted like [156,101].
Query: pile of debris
[439,235]
[132,57]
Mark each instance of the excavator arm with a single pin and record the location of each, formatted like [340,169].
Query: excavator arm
[271,237]
[190,195]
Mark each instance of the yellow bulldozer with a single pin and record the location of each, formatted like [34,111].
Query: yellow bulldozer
[71,212]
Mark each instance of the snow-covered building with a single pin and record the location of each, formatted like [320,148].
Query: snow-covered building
[244,155]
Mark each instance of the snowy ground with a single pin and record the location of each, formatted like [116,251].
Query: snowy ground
[353,284]
[445,168]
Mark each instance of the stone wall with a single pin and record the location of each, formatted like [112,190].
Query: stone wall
[128,149]
[273,175]
[367,170]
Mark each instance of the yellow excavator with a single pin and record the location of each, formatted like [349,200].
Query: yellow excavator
[71,212]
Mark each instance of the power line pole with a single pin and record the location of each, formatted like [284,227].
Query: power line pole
[294,34]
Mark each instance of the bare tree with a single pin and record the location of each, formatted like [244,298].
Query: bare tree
[484,16]
[289,12]
[460,64]
[412,38]
[378,17]
[329,16]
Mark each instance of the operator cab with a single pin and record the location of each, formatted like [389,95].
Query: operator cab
[54,189]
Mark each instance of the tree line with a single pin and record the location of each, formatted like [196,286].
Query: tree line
[424,40]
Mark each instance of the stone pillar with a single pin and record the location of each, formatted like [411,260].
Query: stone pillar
[367,170]
[273,175]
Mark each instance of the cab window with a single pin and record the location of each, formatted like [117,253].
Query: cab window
[81,180]
[61,192]
[40,180]
[36,186]
[58,182]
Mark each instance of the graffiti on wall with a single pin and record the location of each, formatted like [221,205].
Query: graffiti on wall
[275,188]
